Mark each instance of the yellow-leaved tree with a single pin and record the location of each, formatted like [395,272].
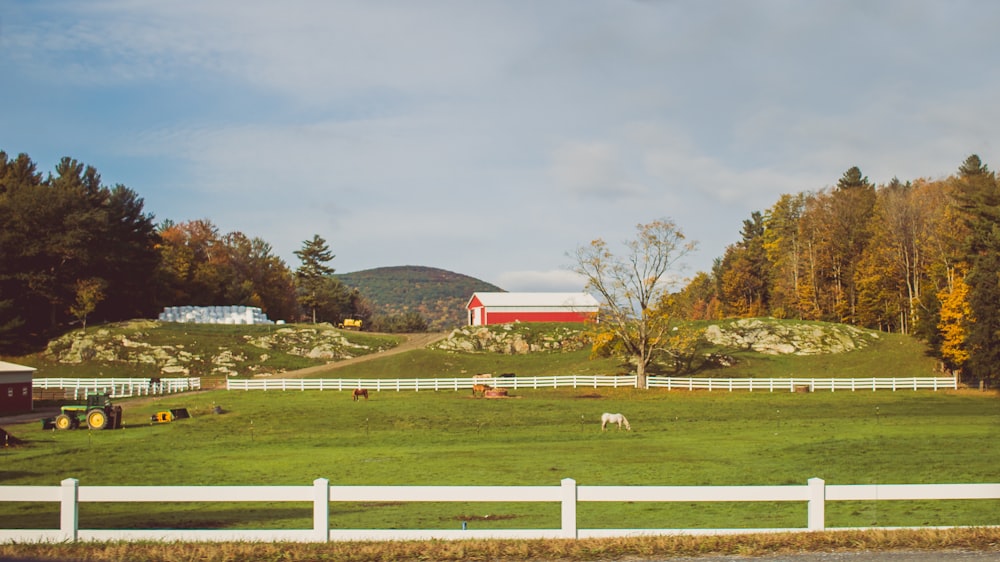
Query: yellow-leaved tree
[635,320]
[955,316]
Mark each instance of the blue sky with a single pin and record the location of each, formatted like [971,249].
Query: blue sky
[491,138]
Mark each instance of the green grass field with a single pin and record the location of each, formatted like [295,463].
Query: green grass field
[533,438]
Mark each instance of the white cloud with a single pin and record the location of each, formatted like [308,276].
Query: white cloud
[593,169]
[555,280]
[490,138]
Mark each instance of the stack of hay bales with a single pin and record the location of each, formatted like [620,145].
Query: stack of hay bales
[215,315]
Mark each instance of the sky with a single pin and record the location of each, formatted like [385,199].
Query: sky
[493,138]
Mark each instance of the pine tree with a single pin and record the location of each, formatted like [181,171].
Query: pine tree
[979,199]
[313,276]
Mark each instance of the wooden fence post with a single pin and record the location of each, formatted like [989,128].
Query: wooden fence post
[817,504]
[569,495]
[69,509]
[321,509]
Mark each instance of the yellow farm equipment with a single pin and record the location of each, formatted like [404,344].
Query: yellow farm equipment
[167,416]
[352,323]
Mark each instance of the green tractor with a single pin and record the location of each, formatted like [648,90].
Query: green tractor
[97,413]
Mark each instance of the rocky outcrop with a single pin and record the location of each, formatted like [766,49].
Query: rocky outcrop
[763,335]
[514,339]
[774,337]
[130,343]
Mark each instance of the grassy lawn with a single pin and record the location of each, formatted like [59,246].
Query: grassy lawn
[432,363]
[534,438]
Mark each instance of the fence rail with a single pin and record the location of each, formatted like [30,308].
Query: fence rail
[126,387]
[575,381]
[812,385]
[119,387]
[461,383]
[814,494]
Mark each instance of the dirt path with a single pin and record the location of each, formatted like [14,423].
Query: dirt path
[413,341]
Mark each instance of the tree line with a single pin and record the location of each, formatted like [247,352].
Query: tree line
[73,249]
[920,257]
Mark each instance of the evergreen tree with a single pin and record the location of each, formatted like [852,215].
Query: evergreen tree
[316,289]
[68,227]
[979,199]
[746,276]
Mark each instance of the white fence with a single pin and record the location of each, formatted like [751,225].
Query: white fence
[815,494]
[119,387]
[465,383]
[126,387]
[793,384]
[575,381]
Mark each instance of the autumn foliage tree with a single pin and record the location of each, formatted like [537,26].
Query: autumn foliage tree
[89,293]
[200,266]
[887,257]
[953,323]
[635,317]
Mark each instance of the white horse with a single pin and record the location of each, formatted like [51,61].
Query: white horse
[614,418]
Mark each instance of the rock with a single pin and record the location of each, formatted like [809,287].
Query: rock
[514,339]
[773,337]
[127,342]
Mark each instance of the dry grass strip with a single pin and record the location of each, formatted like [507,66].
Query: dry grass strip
[982,539]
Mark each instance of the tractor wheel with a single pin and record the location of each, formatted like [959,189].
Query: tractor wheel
[97,419]
[64,421]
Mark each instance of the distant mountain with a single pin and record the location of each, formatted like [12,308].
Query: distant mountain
[439,296]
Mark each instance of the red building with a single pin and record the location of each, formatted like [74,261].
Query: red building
[500,308]
[15,388]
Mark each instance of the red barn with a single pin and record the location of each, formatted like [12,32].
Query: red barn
[500,308]
[15,388]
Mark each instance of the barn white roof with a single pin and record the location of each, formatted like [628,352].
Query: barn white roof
[6,367]
[566,300]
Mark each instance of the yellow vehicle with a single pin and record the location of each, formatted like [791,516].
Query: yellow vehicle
[168,416]
[352,323]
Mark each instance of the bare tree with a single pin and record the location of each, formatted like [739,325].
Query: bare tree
[635,287]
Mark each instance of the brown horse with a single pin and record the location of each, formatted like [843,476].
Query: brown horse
[480,389]
[359,392]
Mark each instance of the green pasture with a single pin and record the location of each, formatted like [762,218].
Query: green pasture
[535,437]
[433,363]
[892,355]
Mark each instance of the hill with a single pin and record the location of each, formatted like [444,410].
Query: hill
[765,348]
[438,295]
